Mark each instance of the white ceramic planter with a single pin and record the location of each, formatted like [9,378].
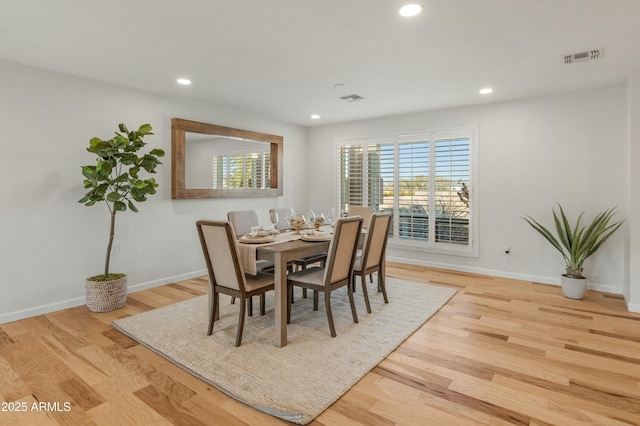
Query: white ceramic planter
[573,288]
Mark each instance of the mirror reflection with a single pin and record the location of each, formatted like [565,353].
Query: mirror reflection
[215,161]
[226,163]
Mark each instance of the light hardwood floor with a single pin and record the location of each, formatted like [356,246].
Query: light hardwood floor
[500,352]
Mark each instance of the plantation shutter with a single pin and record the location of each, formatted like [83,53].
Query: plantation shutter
[452,171]
[413,190]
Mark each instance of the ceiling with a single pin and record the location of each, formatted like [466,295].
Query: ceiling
[282,58]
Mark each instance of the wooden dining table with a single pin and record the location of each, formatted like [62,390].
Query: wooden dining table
[280,254]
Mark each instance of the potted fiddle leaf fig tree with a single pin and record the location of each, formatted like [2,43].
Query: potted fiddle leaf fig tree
[115,180]
[576,243]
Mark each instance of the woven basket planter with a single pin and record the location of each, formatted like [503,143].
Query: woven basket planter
[105,296]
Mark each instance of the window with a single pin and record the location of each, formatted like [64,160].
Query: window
[425,180]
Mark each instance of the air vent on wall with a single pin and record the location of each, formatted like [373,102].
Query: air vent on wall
[351,98]
[588,55]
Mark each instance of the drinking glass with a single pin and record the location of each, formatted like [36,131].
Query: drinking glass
[329,216]
[310,219]
[297,221]
[319,220]
[273,217]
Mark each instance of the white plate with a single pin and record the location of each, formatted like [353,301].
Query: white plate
[316,237]
[257,240]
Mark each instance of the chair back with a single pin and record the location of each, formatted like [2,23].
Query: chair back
[221,254]
[364,212]
[242,221]
[375,243]
[282,218]
[342,250]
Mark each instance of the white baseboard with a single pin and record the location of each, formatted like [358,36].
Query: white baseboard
[163,281]
[78,301]
[502,274]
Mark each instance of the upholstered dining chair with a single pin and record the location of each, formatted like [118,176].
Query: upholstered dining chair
[226,275]
[364,212]
[337,272]
[242,221]
[372,255]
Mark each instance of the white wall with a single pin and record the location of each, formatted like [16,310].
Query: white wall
[533,153]
[569,148]
[49,243]
[632,290]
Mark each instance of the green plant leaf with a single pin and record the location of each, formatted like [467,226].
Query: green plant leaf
[114,178]
[577,242]
[145,129]
[113,197]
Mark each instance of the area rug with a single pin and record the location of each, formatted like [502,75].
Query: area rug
[299,381]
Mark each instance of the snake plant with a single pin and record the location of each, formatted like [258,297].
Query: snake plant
[576,243]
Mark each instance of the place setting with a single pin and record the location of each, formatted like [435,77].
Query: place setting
[259,235]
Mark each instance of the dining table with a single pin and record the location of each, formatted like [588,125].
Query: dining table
[285,247]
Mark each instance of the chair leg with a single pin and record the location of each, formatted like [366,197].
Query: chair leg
[353,306]
[315,300]
[250,304]
[382,286]
[371,277]
[365,294]
[240,324]
[327,306]
[289,301]
[262,303]
[213,312]
[233,300]
[217,308]
[304,290]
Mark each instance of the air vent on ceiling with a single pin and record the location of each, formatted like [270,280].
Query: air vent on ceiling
[351,98]
[588,55]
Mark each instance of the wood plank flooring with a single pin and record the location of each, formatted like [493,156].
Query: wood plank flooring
[501,352]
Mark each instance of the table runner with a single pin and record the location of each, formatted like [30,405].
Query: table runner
[248,251]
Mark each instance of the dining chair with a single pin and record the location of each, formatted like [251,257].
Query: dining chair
[242,221]
[337,272]
[364,212]
[226,275]
[371,258]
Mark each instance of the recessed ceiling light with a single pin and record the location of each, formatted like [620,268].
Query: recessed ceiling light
[409,10]
[184,81]
[315,117]
[486,91]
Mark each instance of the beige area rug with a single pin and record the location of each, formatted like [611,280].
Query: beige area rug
[299,381]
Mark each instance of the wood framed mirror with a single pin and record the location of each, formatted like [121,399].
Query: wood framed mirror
[211,161]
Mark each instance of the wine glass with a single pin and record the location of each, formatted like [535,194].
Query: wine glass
[297,221]
[289,217]
[309,219]
[329,216]
[319,220]
[274,218]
